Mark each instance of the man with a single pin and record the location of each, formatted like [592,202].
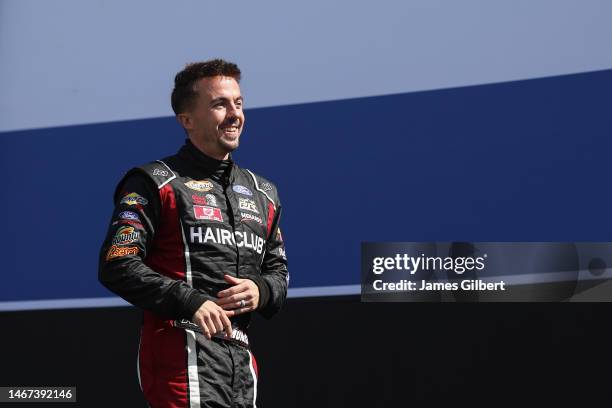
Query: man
[195,242]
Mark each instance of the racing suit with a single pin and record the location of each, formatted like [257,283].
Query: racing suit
[178,226]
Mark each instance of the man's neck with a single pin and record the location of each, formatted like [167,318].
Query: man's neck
[207,151]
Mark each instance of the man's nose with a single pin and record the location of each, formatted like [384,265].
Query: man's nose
[232,110]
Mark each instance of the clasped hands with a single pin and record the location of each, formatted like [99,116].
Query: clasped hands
[213,317]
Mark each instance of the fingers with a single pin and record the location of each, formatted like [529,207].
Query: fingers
[239,308]
[241,298]
[235,312]
[216,320]
[238,302]
[204,328]
[232,280]
[210,325]
[227,324]
[239,288]
[234,299]
[207,327]
[215,323]
[212,320]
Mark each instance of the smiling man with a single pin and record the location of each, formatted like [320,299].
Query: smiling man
[195,242]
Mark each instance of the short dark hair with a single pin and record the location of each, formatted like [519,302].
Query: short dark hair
[185,92]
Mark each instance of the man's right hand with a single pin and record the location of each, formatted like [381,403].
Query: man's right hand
[212,319]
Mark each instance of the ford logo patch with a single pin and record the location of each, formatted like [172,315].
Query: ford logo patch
[242,190]
[128,215]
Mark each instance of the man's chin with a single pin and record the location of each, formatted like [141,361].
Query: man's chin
[229,146]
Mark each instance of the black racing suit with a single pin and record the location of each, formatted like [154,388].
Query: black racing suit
[178,226]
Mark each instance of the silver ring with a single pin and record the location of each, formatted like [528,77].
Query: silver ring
[242,303]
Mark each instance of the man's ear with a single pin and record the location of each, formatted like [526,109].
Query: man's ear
[185,120]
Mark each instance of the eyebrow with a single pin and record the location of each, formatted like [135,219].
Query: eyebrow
[223,98]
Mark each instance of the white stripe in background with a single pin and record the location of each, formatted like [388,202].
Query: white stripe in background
[318,291]
[23,305]
[297,293]
[419,45]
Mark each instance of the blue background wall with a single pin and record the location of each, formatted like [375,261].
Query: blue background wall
[394,122]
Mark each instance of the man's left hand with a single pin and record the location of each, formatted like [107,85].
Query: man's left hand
[242,297]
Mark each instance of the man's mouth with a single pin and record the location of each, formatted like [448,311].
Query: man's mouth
[230,128]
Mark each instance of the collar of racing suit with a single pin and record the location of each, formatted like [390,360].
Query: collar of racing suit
[220,170]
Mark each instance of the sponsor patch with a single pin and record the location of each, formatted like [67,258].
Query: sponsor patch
[208,199]
[128,215]
[125,235]
[130,222]
[251,217]
[247,204]
[212,200]
[160,172]
[283,254]
[222,236]
[134,199]
[202,185]
[265,186]
[203,212]
[241,189]
[117,251]
[199,200]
